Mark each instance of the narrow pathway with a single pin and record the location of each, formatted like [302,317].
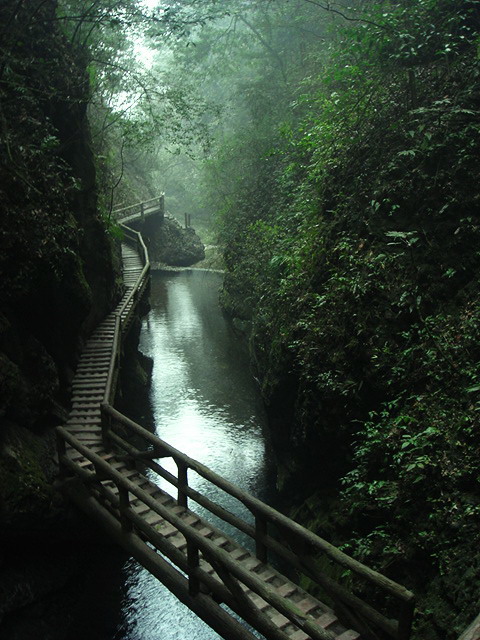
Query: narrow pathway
[88,386]
[128,503]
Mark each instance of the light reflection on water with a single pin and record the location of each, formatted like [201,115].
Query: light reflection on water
[204,403]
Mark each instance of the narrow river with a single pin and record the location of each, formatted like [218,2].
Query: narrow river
[204,401]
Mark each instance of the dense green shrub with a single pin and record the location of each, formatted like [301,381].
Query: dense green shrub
[362,288]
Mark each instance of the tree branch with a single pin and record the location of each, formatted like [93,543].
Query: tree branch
[267,46]
[328,7]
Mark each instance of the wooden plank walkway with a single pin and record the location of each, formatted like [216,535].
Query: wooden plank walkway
[141,210]
[90,380]
[120,482]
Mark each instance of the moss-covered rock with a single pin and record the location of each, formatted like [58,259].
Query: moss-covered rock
[60,268]
[170,244]
[27,471]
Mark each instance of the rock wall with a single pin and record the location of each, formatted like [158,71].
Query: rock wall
[59,267]
[59,275]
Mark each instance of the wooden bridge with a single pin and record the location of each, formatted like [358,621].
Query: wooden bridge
[141,210]
[110,467]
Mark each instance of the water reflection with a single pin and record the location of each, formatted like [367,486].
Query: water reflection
[205,403]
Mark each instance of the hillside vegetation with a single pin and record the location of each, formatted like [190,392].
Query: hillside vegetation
[57,262]
[353,250]
[337,148]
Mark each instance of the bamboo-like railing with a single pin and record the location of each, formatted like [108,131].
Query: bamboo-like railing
[473,631]
[271,531]
[141,209]
[293,543]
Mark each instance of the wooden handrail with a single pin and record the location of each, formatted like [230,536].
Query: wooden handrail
[114,364]
[301,544]
[137,238]
[270,516]
[105,471]
[159,199]
[262,539]
[135,293]
[257,506]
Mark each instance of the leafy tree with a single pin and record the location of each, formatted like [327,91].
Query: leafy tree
[351,227]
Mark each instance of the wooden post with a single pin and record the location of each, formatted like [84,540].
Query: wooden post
[405,619]
[106,424]
[142,211]
[161,205]
[260,531]
[182,498]
[193,563]
[61,451]
[124,505]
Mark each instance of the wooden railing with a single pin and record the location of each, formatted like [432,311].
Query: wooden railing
[292,542]
[229,570]
[141,209]
[270,531]
[296,545]
[473,631]
[129,304]
[125,313]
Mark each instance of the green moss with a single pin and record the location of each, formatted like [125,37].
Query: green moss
[24,483]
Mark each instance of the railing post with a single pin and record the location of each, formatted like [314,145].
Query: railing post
[61,452]
[142,211]
[182,498]
[261,550]
[106,423]
[124,505]
[193,562]
[405,619]
[161,205]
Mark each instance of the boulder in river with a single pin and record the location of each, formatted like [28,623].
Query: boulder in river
[171,244]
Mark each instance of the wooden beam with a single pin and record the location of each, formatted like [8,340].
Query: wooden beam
[204,606]
[473,631]
[272,515]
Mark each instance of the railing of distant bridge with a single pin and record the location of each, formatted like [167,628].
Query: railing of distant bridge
[271,531]
[141,209]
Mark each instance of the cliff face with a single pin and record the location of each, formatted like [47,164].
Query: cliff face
[58,265]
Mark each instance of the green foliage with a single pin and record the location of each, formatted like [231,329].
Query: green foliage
[54,250]
[360,277]
[39,235]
